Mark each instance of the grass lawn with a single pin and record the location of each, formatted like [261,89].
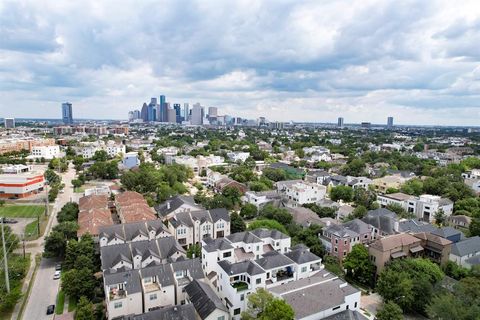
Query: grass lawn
[60,302]
[72,304]
[21,211]
[31,229]
[79,190]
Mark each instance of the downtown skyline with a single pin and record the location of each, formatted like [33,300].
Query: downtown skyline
[300,61]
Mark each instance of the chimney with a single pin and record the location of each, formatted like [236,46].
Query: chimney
[168,205]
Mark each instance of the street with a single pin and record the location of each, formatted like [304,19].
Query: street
[44,289]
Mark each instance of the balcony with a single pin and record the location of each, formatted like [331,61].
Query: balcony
[153,286]
[284,275]
[240,286]
[116,294]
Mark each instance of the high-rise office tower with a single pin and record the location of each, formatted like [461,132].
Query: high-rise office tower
[390,122]
[171,115]
[152,109]
[212,112]
[9,123]
[144,112]
[197,114]
[340,122]
[162,113]
[67,114]
[186,111]
[178,112]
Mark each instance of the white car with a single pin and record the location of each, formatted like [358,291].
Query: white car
[56,275]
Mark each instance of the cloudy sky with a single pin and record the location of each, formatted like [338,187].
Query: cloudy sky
[287,60]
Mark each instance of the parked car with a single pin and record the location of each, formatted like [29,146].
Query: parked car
[58,267]
[56,275]
[7,220]
[50,309]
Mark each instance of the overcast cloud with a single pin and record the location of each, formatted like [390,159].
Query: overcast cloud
[287,60]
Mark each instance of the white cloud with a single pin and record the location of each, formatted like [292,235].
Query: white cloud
[298,60]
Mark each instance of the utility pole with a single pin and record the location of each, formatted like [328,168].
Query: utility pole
[46,200]
[24,246]
[7,280]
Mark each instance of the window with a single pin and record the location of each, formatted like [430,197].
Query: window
[304,269]
[153,297]
[258,281]
[335,249]
[336,241]
[236,311]
[258,248]
[179,274]
[242,297]
[221,318]
[117,305]
[355,304]
[227,254]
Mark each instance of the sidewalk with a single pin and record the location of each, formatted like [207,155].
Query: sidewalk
[26,283]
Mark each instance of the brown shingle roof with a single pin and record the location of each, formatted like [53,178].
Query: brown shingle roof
[93,202]
[394,241]
[90,221]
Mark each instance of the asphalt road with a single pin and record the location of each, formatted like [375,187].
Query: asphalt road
[44,292]
[45,289]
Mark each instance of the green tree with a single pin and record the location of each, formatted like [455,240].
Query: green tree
[355,167]
[249,211]
[268,224]
[273,213]
[400,211]
[236,223]
[397,287]
[69,212]
[68,229]
[389,311]
[344,193]
[100,155]
[262,305]
[365,198]
[474,227]
[77,283]
[440,217]
[11,240]
[55,244]
[359,212]
[194,250]
[358,265]
[84,310]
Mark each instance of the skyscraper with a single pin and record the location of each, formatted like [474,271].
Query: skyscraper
[197,114]
[186,111]
[390,122]
[162,113]
[171,115]
[178,112]
[9,123]
[67,114]
[212,112]
[340,122]
[144,112]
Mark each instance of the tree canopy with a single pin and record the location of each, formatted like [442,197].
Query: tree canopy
[262,305]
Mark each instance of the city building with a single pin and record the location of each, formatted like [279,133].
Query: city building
[186,111]
[21,182]
[130,232]
[132,207]
[340,122]
[176,204]
[238,156]
[465,250]
[131,160]
[190,227]
[20,144]
[199,163]
[171,116]
[93,214]
[46,152]
[67,113]
[243,262]
[9,123]
[390,122]
[197,115]
[299,192]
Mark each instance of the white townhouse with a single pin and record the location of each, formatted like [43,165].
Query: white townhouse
[299,192]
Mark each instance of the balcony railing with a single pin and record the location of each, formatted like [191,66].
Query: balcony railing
[116,294]
[240,286]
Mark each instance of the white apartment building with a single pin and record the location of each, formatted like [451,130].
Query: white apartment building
[238,156]
[190,227]
[243,262]
[424,207]
[46,152]
[299,192]
[87,149]
[199,163]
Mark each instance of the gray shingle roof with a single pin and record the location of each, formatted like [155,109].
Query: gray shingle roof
[248,267]
[302,255]
[178,312]
[414,225]
[273,259]
[203,298]
[347,315]
[216,244]
[220,213]
[193,266]
[467,246]
[163,273]
[246,237]
[130,278]
[174,203]
[446,232]
[268,233]
[382,219]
